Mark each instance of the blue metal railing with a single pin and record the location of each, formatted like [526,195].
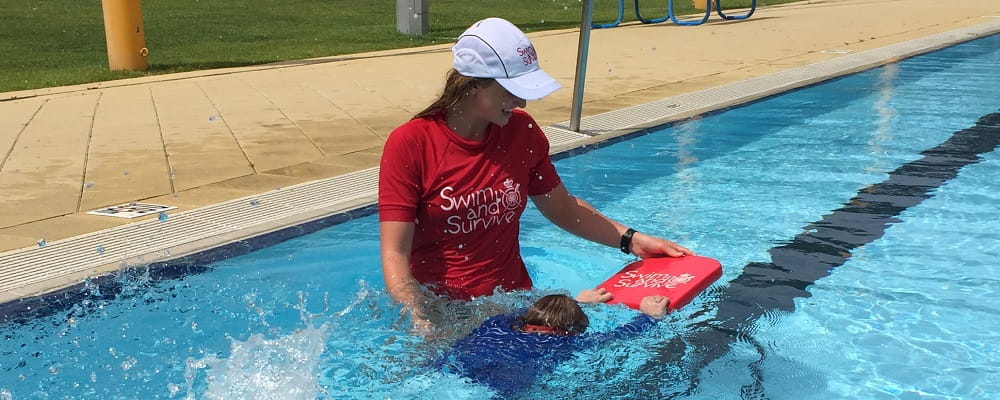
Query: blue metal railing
[666,15]
[621,13]
[718,10]
[672,16]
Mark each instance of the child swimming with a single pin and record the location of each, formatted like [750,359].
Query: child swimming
[508,351]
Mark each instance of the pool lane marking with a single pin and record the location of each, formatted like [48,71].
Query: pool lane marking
[766,287]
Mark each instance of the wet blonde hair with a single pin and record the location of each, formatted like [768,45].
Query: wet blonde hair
[456,86]
[557,311]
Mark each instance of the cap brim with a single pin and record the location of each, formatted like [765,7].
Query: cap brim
[531,86]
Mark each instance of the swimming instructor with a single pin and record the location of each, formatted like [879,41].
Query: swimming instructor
[454,180]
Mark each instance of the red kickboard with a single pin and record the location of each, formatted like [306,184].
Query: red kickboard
[679,278]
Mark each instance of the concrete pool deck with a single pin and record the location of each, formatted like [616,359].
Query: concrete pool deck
[246,150]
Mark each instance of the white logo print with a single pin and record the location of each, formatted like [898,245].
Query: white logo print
[511,196]
[632,279]
[481,209]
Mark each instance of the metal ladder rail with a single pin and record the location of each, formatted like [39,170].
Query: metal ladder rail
[648,20]
[621,14]
[718,10]
[673,16]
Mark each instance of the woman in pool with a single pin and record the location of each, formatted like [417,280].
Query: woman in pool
[454,180]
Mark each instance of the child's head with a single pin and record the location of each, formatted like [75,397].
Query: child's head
[559,312]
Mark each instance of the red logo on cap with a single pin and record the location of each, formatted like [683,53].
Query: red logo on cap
[528,55]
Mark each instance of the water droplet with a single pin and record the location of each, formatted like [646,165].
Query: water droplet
[128,363]
[565,8]
[461,246]
[163,216]
[530,126]
[100,249]
[543,21]
[89,185]
[173,388]
[93,377]
[211,119]
[126,173]
[654,49]
[41,242]
[254,202]
[166,253]
[539,177]
[53,370]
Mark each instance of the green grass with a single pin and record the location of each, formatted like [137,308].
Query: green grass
[47,43]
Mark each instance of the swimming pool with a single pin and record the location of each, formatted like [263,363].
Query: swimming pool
[903,309]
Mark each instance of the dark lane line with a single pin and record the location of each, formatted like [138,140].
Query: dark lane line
[764,288]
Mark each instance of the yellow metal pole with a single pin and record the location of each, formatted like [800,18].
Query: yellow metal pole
[125,34]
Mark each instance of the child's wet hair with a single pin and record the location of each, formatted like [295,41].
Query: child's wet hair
[557,311]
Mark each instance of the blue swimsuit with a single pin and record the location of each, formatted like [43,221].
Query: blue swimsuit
[507,360]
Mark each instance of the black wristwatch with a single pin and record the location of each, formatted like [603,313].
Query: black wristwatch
[626,244]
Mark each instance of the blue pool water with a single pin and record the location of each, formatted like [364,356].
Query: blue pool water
[909,313]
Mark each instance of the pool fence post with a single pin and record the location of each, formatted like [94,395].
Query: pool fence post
[581,65]
[125,35]
[411,17]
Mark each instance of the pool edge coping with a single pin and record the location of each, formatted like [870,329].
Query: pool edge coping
[38,270]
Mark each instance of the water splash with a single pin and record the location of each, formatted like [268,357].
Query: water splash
[41,242]
[286,367]
[259,368]
[163,216]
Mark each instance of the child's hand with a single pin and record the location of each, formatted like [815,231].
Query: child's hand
[599,295]
[655,306]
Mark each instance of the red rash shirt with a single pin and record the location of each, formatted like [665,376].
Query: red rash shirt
[466,199]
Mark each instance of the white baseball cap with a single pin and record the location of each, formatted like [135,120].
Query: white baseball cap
[495,48]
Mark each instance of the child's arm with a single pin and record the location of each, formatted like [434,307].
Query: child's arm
[652,307]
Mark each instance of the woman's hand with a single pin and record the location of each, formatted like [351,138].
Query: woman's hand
[594,296]
[646,246]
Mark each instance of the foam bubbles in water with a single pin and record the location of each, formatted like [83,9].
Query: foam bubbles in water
[260,368]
